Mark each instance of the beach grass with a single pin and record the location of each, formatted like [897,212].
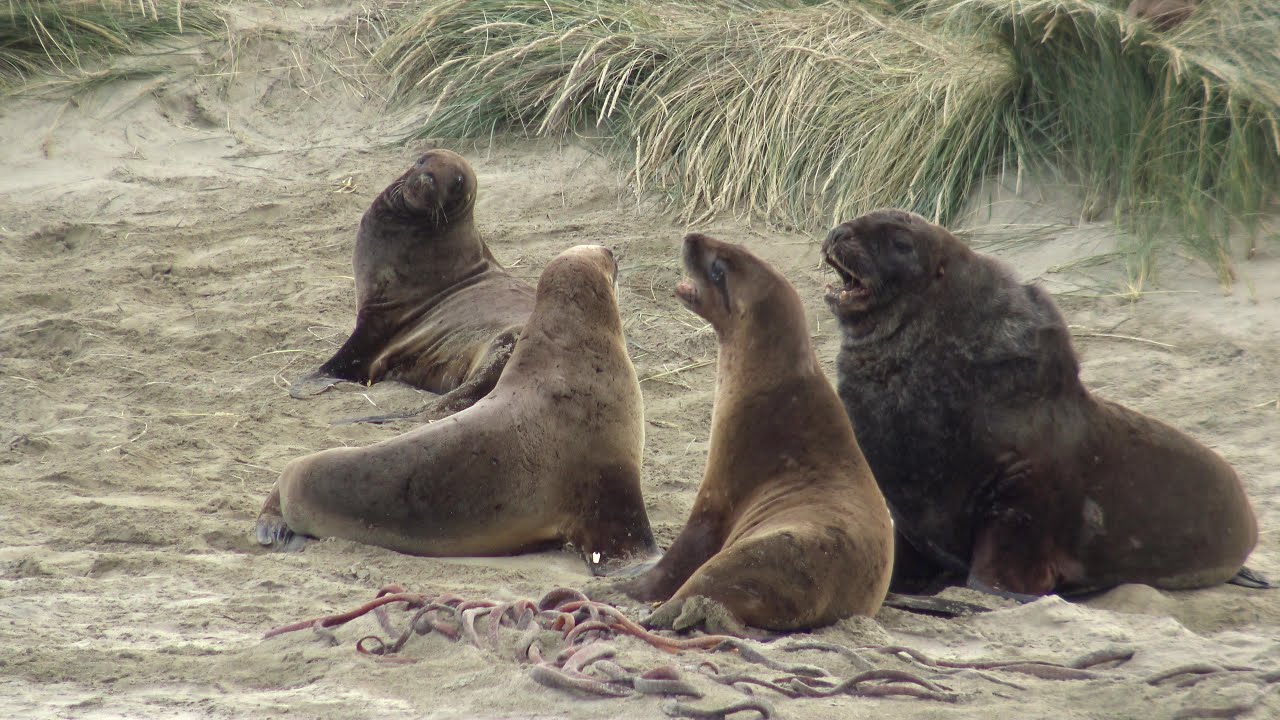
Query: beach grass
[808,113]
[1177,132]
[802,113]
[75,38]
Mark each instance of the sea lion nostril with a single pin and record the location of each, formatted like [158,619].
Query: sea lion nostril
[837,234]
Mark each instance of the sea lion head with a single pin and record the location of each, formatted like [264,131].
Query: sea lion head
[730,287]
[441,187]
[578,285]
[887,261]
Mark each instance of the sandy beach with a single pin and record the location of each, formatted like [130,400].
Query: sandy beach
[174,249]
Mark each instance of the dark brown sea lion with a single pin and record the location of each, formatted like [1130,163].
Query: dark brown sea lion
[552,454]
[1164,15]
[998,464]
[434,309]
[788,530]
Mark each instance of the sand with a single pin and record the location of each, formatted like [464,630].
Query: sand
[174,249]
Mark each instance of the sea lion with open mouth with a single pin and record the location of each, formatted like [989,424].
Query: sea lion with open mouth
[1000,467]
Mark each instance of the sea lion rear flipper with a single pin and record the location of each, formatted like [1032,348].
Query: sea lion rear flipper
[931,605]
[696,611]
[1250,578]
[271,529]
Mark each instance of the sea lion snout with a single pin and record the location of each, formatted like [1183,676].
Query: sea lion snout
[440,184]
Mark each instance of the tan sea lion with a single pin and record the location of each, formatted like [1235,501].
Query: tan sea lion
[1164,15]
[434,309]
[999,466]
[552,454]
[788,530]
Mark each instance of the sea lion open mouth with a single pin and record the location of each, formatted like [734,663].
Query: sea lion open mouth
[687,292]
[854,293]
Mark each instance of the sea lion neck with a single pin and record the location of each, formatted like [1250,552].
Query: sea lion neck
[765,342]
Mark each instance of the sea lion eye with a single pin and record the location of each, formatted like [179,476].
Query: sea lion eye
[717,274]
[901,246]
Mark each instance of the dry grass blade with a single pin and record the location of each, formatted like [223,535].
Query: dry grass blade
[802,113]
[1179,132]
[65,37]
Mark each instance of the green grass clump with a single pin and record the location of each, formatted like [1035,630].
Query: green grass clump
[1178,131]
[809,113]
[806,114]
[65,37]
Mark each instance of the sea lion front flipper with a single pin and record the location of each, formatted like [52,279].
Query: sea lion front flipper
[916,572]
[352,361]
[479,384]
[1250,578]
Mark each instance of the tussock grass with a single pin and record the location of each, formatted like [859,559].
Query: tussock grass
[805,114]
[809,113]
[66,37]
[1179,132]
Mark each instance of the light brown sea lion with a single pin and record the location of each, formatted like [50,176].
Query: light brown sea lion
[999,466]
[434,309]
[788,530]
[1164,15]
[552,454]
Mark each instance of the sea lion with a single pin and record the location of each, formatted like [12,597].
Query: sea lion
[788,530]
[1164,15]
[552,454]
[999,466]
[434,309]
